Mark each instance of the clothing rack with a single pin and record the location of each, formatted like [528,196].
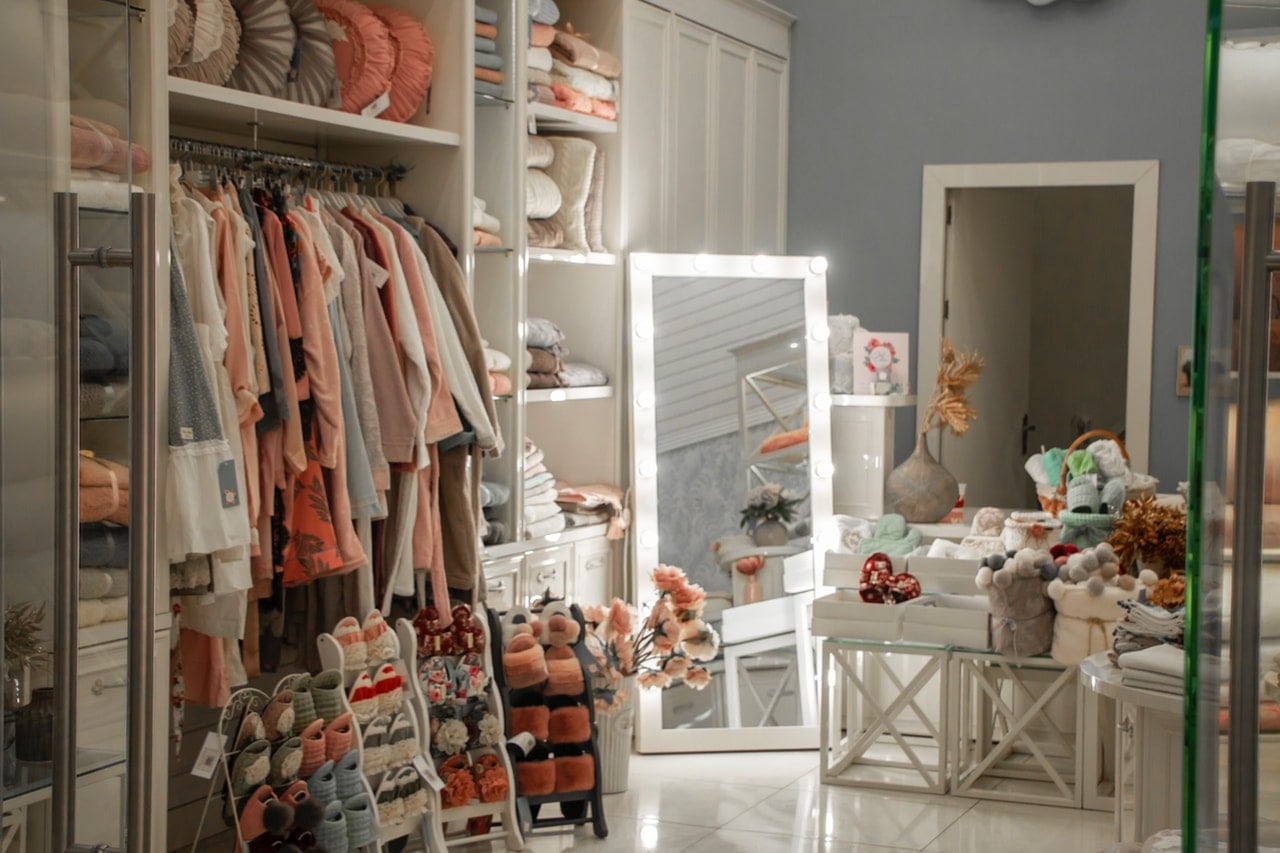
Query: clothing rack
[255,158]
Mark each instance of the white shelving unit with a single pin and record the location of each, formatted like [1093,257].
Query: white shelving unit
[560,120]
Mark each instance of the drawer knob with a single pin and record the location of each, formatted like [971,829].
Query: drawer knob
[497,586]
[99,686]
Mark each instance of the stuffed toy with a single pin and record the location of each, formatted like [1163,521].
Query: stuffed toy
[1021,614]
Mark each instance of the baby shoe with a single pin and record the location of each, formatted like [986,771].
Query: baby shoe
[313,748]
[250,768]
[251,729]
[331,834]
[364,699]
[323,784]
[534,719]
[574,773]
[436,676]
[524,661]
[286,762]
[296,793]
[279,716]
[491,778]
[468,635]
[403,745]
[387,685]
[563,631]
[326,690]
[390,806]
[459,785]
[571,724]
[251,823]
[469,677]
[412,793]
[362,824]
[337,737]
[348,776]
[433,638]
[377,745]
[350,636]
[304,705]
[536,775]
[564,672]
[379,638]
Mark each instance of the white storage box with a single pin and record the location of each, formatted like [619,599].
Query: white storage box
[947,620]
[945,574]
[844,571]
[844,615]
[755,621]
[797,572]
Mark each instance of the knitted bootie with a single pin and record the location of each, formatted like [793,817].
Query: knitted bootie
[323,784]
[347,773]
[251,768]
[390,806]
[377,745]
[350,636]
[251,824]
[304,705]
[403,745]
[326,690]
[362,823]
[279,716]
[364,699]
[313,748]
[331,834]
[387,685]
[286,762]
[338,736]
[380,639]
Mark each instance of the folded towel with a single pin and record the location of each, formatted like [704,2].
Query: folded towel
[1164,659]
[496,534]
[489,60]
[544,495]
[485,239]
[892,536]
[484,30]
[533,470]
[486,45]
[606,110]
[490,75]
[569,98]
[489,90]
[540,332]
[541,94]
[579,374]
[585,519]
[534,483]
[104,490]
[483,219]
[546,527]
[544,11]
[581,54]
[540,58]
[533,513]
[539,152]
[104,401]
[104,546]
[538,77]
[499,384]
[1149,681]
[587,82]
[544,233]
[485,15]
[542,381]
[494,494]
[95,145]
[542,197]
[544,361]
[541,35]
[495,359]
[104,347]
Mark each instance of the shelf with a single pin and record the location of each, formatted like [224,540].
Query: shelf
[568,256]
[558,118]
[565,395]
[491,101]
[493,250]
[887,401]
[103,632]
[217,108]
[792,454]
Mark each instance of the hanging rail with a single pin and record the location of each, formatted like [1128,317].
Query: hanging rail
[246,157]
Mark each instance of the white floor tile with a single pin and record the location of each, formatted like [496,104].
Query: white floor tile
[698,802]
[625,834]
[769,769]
[1026,827]
[734,841]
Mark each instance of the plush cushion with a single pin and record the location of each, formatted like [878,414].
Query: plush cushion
[266,47]
[362,51]
[181,27]
[593,214]
[207,29]
[541,35]
[539,58]
[216,69]
[571,171]
[414,55]
[543,233]
[540,153]
[542,196]
[313,76]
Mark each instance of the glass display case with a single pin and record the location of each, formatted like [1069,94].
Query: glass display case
[78,438]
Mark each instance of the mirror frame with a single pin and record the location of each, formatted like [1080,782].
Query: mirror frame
[642,269]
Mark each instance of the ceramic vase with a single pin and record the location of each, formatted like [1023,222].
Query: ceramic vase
[770,532]
[614,730]
[920,489]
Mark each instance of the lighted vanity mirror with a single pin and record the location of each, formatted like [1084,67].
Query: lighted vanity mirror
[729,403]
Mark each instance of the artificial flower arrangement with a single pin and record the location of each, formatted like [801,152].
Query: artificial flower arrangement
[1153,534]
[665,646]
[769,502]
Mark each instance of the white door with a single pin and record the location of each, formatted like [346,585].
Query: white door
[690,144]
[729,166]
[646,52]
[768,169]
[988,286]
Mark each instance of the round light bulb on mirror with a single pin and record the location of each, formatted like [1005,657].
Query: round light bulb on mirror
[701,262]
[640,262]
[824,469]
[758,263]
[649,538]
[820,332]
[559,395]
[647,468]
[822,401]
[644,330]
[645,399]
[818,265]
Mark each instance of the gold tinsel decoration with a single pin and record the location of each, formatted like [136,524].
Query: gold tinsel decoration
[1157,534]
[949,407]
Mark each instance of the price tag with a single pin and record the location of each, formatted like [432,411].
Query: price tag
[533,125]
[424,770]
[210,755]
[378,106]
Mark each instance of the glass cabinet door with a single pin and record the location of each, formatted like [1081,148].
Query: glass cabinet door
[1231,791]
[73,228]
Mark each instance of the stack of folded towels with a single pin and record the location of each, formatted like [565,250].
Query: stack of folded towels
[585,506]
[1159,668]
[498,363]
[543,15]
[1146,625]
[485,225]
[493,497]
[542,515]
[547,369]
[566,70]
[100,161]
[489,76]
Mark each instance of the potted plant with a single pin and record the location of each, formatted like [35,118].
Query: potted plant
[768,507]
[920,489]
[664,646]
[23,650]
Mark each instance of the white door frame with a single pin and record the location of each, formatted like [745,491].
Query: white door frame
[1142,175]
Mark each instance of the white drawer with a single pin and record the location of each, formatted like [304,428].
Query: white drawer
[102,697]
[502,582]
[592,571]
[546,571]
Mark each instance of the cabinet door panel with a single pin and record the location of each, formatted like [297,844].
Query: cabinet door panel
[646,52]
[730,143]
[690,147]
[768,169]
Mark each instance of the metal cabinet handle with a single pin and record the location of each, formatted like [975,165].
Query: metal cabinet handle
[545,577]
[497,586]
[141,258]
[100,686]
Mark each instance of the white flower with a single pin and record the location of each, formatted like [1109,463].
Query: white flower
[490,730]
[452,737]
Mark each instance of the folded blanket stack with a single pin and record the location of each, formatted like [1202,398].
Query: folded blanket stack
[594,504]
[493,497]
[542,515]
[566,70]
[543,15]
[499,366]
[1159,668]
[486,227]
[547,368]
[1146,625]
[489,63]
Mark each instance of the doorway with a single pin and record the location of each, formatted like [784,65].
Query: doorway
[1049,274]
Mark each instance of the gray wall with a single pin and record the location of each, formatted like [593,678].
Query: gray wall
[881,88]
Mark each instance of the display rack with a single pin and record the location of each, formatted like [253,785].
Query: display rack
[240,703]
[577,808]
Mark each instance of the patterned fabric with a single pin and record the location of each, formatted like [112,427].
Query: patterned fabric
[217,67]
[181,25]
[312,550]
[313,76]
[266,47]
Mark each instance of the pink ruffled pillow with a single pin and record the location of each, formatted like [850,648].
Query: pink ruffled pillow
[362,51]
[414,53]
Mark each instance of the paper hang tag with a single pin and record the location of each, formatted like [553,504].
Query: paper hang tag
[424,770]
[533,125]
[210,755]
[378,106]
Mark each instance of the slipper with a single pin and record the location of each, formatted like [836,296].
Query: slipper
[377,745]
[390,806]
[436,676]
[379,638]
[251,729]
[571,724]
[323,785]
[251,817]
[564,672]
[469,677]
[250,768]
[313,748]
[350,636]
[411,791]
[574,773]
[536,775]
[348,778]
[326,691]
[468,636]
[459,785]
[534,719]
[563,631]
[524,661]
[387,685]
[286,762]
[362,826]
[364,699]
[279,717]
[331,834]
[403,746]
[491,778]
[337,737]
[433,639]
[296,793]
[304,705]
